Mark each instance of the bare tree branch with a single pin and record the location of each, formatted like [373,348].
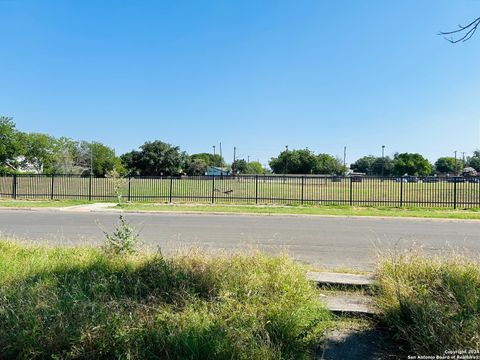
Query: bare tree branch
[464,31]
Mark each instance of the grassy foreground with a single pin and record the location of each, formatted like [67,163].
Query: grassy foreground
[431,304]
[79,303]
[310,210]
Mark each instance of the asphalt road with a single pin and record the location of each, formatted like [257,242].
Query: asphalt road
[330,242]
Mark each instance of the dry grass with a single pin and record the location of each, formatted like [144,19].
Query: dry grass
[432,304]
[79,303]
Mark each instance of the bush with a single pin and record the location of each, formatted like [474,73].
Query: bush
[431,304]
[123,240]
[79,303]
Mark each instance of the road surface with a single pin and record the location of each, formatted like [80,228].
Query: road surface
[331,242]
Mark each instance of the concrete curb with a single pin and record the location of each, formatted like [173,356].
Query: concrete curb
[205,213]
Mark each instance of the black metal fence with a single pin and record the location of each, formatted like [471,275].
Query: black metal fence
[257,189]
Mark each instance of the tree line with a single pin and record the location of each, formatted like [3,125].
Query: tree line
[42,153]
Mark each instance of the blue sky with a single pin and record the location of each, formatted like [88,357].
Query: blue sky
[257,75]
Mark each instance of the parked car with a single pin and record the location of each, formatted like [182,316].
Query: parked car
[456,179]
[356,179]
[430,179]
[407,178]
[475,180]
[336,179]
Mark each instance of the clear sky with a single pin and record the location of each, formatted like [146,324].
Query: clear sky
[254,74]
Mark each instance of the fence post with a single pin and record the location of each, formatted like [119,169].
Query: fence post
[171,188]
[90,188]
[129,195]
[213,189]
[256,189]
[303,185]
[51,193]
[351,191]
[14,186]
[401,192]
[455,179]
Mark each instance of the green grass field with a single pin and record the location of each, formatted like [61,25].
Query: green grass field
[248,190]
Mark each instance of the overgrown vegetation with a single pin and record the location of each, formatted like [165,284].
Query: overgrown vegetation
[123,240]
[432,304]
[81,303]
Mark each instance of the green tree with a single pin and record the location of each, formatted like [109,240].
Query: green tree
[209,159]
[364,164]
[38,151]
[196,166]
[10,144]
[96,158]
[294,162]
[474,160]
[411,164]
[306,162]
[382,166]
[446,165]
[240,166]
[154,159]
[64,154]
[328,165]
[254,167]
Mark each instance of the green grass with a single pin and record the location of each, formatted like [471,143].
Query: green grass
[431,304]
[78,303]
[32,203]
[310,210]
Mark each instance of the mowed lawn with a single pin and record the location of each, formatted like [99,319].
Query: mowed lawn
[247,190]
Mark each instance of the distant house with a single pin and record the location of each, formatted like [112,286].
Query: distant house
[217,171]
[22,165]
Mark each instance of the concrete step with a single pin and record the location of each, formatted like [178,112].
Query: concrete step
[366,344]
[332,278]
[350,304]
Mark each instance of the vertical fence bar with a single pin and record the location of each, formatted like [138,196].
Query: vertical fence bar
[303,186]
[14,186]
[52,184]
[256,189]
[401,192]
[455,179]
[90,188]
[129,194]
[171,189]
[351,191]
[213,189]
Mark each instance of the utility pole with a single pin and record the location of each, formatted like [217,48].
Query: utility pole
[456,171]
[221,156]
[91,160]
[383,161]
[234,159]
[463,159]
[248,159]
[286,159]
[214,163]
[344,157]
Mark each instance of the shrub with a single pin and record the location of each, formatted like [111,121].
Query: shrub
[123,240]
